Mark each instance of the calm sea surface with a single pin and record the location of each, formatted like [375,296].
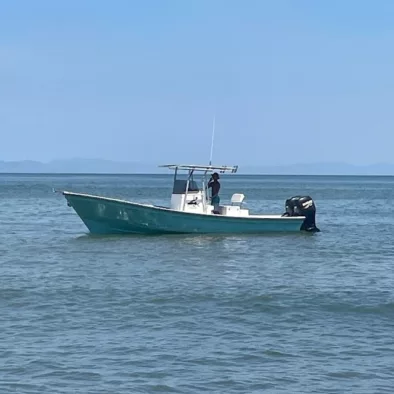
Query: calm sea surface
[193,314]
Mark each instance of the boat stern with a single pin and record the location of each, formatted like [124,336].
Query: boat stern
[302,206]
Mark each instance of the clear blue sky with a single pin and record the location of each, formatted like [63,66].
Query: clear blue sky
[289,81]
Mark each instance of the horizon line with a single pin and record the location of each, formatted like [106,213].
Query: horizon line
[171,175]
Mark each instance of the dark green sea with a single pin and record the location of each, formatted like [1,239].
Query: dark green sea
[197,314]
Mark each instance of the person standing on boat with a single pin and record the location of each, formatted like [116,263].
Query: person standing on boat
[215,188]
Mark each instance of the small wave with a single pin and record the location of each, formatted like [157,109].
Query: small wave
[71,375]
[277,353]
[380,309]
[348,375]
[161,388]
[16,387]
[11,294]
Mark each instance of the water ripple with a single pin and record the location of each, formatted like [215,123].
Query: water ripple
[196,314]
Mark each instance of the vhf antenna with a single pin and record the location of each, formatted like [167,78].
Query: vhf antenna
[213,137]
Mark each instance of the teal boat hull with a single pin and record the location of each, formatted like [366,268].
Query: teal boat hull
[103,215]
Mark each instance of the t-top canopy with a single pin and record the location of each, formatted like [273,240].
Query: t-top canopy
[221,169]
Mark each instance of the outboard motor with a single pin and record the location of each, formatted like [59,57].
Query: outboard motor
[303,206]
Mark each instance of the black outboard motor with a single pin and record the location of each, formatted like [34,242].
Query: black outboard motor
[303,206]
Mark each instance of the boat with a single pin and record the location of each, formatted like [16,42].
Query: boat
[190,210]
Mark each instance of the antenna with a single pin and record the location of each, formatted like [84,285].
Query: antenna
[213,137]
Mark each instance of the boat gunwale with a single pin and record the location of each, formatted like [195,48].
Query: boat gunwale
[249,217]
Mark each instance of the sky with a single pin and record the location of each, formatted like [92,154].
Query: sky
[287,81]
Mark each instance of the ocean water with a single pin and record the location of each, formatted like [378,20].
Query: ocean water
[192,314]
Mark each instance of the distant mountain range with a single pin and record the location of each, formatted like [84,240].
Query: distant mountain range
[99,166]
